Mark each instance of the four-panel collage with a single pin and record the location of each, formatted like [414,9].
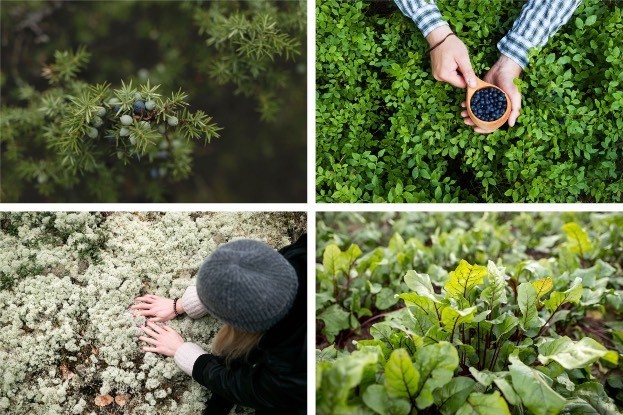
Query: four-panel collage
[331,207]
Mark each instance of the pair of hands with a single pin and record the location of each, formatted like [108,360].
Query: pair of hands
[450,63]
[162,338]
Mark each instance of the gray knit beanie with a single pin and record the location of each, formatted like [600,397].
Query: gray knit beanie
[247,284]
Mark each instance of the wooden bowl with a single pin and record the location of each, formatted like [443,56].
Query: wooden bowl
[489,126]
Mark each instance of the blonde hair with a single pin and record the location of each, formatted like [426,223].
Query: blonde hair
[234,344]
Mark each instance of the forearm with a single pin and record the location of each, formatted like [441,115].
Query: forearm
[190,303]
[538,21]
[424,14]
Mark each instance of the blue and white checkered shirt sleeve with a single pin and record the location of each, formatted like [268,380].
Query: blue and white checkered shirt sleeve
[424,13]
[538,21]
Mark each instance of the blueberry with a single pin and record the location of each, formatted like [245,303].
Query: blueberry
[124,131]
[139,107]
[110,137]
[100,112]
[113,101]
[150,105]
[161,129]
[126,120]
[117,108]
[488,104]
[173,121]
[138,97]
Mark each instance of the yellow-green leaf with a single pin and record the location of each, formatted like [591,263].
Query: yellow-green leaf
[577,239]
[463,278]
[542,287]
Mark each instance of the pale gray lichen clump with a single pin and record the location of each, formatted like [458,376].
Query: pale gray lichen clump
[66,281]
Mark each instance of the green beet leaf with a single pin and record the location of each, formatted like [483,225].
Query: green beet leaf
[420,284]
[572,295]
[484,404]
[527,299]
[574,355]
[401,376]
[335,320]
[577,239]
[338,380]
[436,365]
[495,293]
[590,399]
[377,399]
[450,397]
[534,389]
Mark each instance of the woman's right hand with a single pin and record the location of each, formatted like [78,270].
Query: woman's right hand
[450,60]
[156,308]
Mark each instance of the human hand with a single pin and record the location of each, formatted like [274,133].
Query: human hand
[450,60]
[502,74]
[163,338]
[160,308]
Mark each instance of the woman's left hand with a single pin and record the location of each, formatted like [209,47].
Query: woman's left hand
[163,339]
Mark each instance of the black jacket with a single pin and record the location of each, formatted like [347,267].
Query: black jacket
[274,379]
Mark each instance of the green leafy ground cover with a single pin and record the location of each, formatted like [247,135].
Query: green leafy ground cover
[469,313]
[388,132]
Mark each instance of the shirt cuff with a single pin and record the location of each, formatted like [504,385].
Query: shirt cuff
[515,47]
[191,303]
[186,355]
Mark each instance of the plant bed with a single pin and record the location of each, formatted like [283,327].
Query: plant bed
[474,323]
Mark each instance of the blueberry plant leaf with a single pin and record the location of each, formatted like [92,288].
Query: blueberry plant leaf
[401,376]
[436,365]
[574,355]
[484,404]
[577,239]
[534,389]
[464,278]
